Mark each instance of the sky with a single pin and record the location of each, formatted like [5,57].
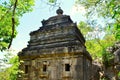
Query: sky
[32,21]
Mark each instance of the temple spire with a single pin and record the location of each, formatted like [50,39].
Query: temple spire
[59,11]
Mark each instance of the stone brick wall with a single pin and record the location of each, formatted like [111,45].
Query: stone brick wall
[78,68]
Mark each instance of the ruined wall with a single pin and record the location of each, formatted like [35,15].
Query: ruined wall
[57,68]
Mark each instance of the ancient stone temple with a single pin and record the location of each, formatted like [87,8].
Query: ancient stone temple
[56,51]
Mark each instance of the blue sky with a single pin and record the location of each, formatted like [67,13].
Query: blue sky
[32,21]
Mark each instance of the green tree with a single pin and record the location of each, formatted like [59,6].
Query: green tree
[10,12]
[95,44]
[9,67]
[85,29]
[108,9]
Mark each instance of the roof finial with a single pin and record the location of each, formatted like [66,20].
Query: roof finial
[59,11]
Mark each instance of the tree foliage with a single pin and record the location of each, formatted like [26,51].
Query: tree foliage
[9,67]
[95,44]
[10,12]
[85,29]
[108,9]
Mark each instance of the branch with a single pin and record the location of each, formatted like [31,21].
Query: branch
[98,41]
[97,2]
[117,20]
[13,23]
